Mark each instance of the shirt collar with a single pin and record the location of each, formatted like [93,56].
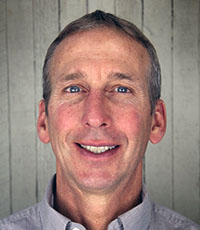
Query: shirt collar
[51,219]
[137,218]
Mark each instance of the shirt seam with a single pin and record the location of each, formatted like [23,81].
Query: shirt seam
[177,221]
[21,214]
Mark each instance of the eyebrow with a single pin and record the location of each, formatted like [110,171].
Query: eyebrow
[69,77]
[121,76]
[112,76]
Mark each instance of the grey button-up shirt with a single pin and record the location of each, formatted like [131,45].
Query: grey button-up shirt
[142,217]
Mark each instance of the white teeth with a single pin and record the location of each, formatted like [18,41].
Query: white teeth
[96,149]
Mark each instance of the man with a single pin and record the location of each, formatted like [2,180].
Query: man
[101,106]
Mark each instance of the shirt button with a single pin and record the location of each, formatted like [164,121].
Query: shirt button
[75,229]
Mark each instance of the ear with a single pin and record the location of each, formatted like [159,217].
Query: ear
[42,123]
[158,126]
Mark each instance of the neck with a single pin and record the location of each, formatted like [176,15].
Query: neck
[96,210]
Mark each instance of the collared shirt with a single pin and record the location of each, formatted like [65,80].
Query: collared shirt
[142,217]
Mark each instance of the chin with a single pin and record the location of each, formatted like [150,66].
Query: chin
[97,184]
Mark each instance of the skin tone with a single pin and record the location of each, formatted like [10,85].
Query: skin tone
[99,98]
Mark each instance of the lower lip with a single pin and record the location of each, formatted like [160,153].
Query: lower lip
[89,154]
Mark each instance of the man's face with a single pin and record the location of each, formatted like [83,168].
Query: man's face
[99,118]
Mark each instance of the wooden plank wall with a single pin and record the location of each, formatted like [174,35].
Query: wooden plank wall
[171,168]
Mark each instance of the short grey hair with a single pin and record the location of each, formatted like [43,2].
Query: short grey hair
[99,19]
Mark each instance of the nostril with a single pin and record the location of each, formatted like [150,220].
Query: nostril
[89,124]
[104,124]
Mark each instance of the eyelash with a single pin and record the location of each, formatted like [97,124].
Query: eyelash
[75,86]
[80,89]
[122,88]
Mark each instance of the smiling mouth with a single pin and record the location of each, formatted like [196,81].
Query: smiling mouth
[97,149]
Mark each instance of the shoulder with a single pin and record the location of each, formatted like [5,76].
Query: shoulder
[27,219]
[164,218]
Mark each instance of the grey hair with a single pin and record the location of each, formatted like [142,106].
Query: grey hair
[99,19]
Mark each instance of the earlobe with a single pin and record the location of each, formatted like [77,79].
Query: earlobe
[42,124]
[158,126]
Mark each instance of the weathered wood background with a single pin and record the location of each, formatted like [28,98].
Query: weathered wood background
[172,168]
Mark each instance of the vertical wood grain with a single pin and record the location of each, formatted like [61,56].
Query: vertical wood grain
[71,10]
[21,94]
[186,108]
[198,218]
[158,158]
[105,5]
[4,119]
[130,10]
[46,28]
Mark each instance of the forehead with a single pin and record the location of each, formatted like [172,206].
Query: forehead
[98,45]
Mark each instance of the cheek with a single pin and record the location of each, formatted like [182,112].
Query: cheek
[65,117]
[129,120]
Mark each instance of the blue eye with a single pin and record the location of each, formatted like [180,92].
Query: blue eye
[73,89]
[122,89]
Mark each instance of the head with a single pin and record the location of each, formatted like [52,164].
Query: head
[101,92]
[100,19]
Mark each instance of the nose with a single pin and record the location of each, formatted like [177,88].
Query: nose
[96,113]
